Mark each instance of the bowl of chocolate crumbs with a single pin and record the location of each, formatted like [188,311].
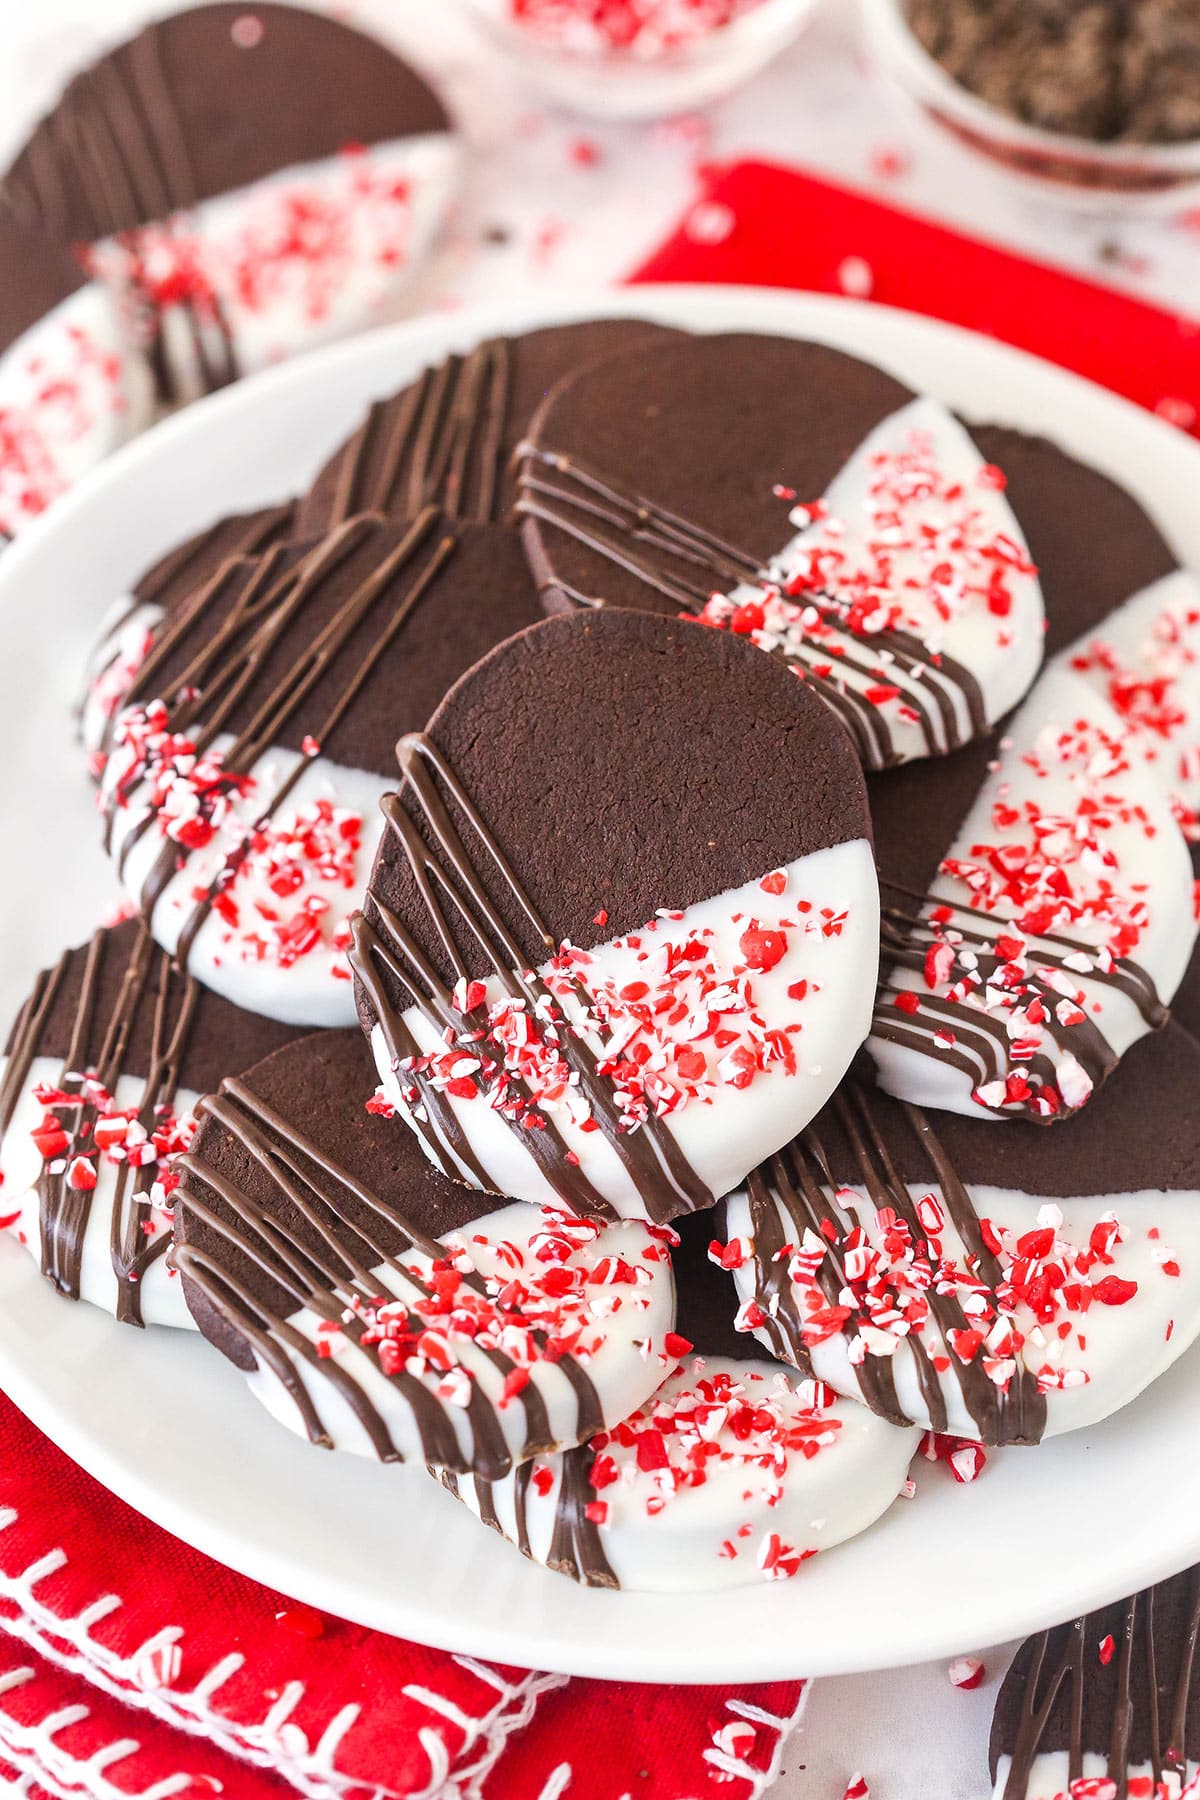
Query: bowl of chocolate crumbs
[1100,98]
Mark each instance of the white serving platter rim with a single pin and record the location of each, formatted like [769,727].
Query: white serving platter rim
[165,1423]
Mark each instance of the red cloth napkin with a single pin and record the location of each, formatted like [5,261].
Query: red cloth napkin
[773,227]
[131,1665]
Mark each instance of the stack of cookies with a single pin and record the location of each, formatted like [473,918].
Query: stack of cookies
[655,891]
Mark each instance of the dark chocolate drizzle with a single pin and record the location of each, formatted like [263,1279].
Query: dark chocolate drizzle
[243,537]
[796,1190]
[685,563]
[396,974]
[64,1212]
[575,1549]
[1146,1696]
[980,1047]
[327,1269]
[270,596]
[118,151]
[439,443]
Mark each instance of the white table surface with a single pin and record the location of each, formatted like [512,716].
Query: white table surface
[536,208]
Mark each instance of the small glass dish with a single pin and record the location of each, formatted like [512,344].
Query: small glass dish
[573,66]
[1081,174]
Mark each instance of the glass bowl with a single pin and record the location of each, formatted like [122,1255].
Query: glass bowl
[575,68]
[1078,172]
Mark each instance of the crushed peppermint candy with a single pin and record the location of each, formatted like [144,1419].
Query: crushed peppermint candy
[533,1302]
[66,396]
[290,252]
[1152,687]
[289,882]
[893,1279]
[109,687]
[82,1130]
[675,1024]
[1026,916]
[706,1423]
[641,28]
[924,554]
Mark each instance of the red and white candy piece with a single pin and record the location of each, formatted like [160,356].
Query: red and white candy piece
[731,1021]
[734,1473]
[554,1286]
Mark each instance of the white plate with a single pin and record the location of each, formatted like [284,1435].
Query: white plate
[166,1423]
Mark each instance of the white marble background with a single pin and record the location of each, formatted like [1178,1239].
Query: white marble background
[569,204]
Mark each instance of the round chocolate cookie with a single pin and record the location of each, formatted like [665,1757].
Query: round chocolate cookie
[620,937]
[1038,918]
[799,497]
[1067,1263]
[71,389]
[386,1310]
[244,222]
[128,633]
[102,1071]
[1107,1704]
[448,439]
[242,787]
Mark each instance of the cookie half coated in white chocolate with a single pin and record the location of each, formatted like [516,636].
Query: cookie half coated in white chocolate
[1145,660]
[853,530]
[98,1089]
[1054,921]
[243,776]
[735,1472]
[72,385]
[380,1309]
[236,223]
[1003,1286]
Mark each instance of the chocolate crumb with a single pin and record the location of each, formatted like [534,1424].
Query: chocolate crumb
[1113,71]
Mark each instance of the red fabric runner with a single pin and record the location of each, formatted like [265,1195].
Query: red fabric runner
[773,227]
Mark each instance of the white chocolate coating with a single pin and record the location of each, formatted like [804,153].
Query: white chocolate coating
[21,1165]
[1145,661]
[626,1325]
[1109,1353]
[241,961]
[758,1513]
[121,647]
[305,255]
[71,391]
[1050,1778]
[915,529]
[1069,790]
[723,1130]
